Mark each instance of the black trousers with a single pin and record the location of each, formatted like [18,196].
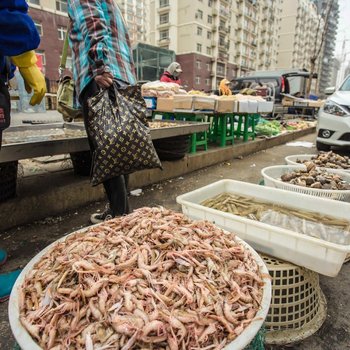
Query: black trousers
[116,188]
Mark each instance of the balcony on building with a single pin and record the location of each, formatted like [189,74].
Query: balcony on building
[163,9]
[164,41]
[224,12]
[215,12]
[223,29]
[163,25]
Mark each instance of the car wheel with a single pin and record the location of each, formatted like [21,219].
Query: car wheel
[322,147]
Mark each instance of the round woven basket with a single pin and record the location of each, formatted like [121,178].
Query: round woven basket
[298,306]
[272,178]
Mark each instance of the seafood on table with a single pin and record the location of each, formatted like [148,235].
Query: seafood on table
[329,160]
[160,124]
[153,279]
[309,223]
[318,178]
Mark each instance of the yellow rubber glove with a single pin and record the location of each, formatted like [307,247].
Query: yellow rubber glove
[33,78]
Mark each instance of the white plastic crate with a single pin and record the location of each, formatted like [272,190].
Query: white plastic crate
[315,254]
[272,175]
[292,160]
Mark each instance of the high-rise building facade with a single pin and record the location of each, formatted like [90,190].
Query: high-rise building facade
[300,34]
[199,32]
[136,15]
[51,20]
[216,39]
[327,57]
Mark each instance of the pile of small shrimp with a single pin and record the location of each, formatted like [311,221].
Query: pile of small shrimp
[153,279]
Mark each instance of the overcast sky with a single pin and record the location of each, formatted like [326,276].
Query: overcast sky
[343,27]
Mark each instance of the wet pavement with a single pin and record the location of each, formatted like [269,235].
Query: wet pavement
[23,242]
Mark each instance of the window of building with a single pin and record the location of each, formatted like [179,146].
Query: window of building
[199,14]
[209,35]
[163,3]
[130,16]
[164,34]
[208,50]
[199,30]
[42,54]
[210,19]
[164,18]
[61,5]
[208,67]
[39,28]
[198,80]
[61,32]
[210,2]
[207,82]
[220,68]
[198,64]
[34,2]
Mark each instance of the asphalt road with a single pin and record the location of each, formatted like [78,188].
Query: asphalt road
[24,242]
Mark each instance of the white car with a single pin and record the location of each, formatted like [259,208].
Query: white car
[333,124]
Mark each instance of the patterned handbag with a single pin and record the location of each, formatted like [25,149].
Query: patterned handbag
[117,126]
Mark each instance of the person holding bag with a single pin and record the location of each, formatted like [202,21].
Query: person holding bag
[103,71]
[18,39]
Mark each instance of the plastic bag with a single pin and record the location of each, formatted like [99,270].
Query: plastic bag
[117,126]
[329,233]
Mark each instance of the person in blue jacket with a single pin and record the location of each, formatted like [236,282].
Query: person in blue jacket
[18,39]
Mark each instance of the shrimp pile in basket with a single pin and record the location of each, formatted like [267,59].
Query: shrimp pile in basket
[150,280]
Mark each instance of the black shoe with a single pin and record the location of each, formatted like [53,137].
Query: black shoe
[100,217]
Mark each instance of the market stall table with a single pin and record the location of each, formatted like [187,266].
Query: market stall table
[221,125]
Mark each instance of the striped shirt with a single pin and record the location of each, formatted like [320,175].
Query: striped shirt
[99,41]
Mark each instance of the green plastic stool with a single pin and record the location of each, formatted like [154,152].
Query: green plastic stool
[198,139]
[222,129]
[246,121]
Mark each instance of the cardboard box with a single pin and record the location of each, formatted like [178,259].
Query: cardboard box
[165,104]
[225,106]
[183,102]
[317,104]
[287,102]
[204,103]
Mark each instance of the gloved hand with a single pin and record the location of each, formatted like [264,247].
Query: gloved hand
[33,78]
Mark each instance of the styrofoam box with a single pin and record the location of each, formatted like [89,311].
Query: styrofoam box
[315,254]
[265,106]
[243,106]
[252,106]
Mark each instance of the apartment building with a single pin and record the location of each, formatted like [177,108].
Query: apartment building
[137,16]
[51,19]
[269,30]
[199,32]
[300,33]
[216,39]
[327,57]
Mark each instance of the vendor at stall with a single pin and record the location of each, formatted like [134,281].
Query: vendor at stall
[171,75]
[18,39]
[224,88]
